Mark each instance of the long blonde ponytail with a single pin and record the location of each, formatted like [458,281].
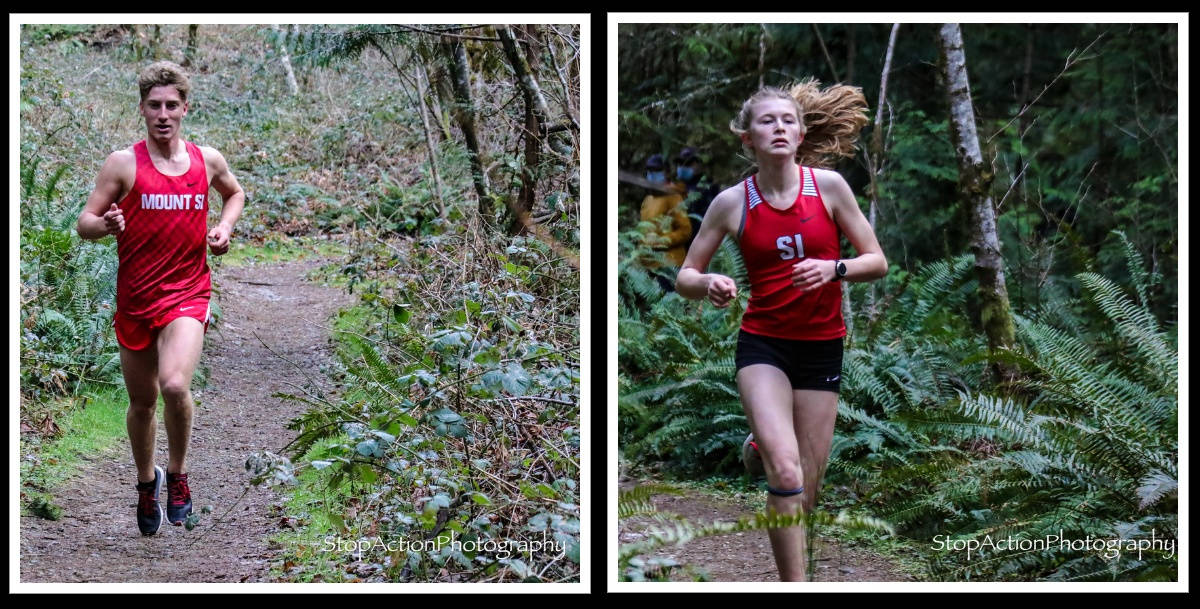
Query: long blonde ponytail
[831,119]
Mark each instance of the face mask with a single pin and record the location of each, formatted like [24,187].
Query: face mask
[685,173]
[656,176]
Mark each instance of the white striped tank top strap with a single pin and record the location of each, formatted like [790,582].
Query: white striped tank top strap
[752,199]
[752,196]
[810,182]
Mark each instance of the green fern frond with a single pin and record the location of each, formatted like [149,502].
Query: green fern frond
[1137,273]
[1154,487]
[1137,325]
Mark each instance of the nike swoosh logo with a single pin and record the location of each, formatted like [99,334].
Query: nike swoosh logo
[193,183]
[184,308]
[807,219]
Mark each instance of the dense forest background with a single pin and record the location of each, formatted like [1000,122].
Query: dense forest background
[1078,130]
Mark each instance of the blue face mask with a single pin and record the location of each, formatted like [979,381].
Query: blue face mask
[685,173]
[656,176]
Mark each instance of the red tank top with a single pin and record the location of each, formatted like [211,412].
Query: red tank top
[161,253]
[772,242]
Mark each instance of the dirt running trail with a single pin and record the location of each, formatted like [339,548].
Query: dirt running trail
[746,557]
[97,538]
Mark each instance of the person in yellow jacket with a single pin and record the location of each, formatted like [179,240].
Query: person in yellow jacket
[665,211]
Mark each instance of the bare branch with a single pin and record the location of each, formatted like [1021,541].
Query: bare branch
[444,34]
[1072,59]
[829,59]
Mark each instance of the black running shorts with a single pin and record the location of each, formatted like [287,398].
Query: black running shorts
[808,364]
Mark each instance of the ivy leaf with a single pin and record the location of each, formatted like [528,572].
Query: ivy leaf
[369,448]
[516,381]
[510,323]
[367,474]
[520,295]
[401,313]
[446,415]
[425,378]
[441,500]
[488,357]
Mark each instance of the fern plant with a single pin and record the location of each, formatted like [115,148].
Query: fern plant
[68,292]
[1086,449]
[678,398]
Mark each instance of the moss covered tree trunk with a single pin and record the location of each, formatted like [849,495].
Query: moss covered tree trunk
[535,118]
[974,180]
[189,52]
[464,112]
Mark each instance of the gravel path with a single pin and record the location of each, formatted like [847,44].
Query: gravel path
[97,539]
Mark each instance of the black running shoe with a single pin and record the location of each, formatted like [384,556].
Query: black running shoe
[179,498]
[149,511]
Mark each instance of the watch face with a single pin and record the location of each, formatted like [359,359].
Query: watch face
[841,269]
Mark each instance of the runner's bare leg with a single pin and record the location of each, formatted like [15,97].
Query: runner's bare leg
[767,398]
[140,369]
[179,346]
[814,416]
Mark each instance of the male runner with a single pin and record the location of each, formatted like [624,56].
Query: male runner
[153,196]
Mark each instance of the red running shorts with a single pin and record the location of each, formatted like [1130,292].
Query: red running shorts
[136,334]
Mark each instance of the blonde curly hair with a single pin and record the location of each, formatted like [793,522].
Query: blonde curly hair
[830,119]
[164,74]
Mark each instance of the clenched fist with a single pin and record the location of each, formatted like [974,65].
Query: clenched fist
[114,219]
[721,290]
[218,239]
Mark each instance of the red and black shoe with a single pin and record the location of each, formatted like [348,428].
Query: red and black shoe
[179,498]
[149,511]
[751,457]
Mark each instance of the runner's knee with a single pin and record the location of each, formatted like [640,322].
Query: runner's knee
[786,473]
[175,388]
[143,405]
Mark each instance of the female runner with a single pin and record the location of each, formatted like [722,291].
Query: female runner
[787,219]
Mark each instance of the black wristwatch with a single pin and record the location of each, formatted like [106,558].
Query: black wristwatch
[839,270]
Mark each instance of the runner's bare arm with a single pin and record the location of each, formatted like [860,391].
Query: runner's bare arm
[870,263]
[232,200]
[720,220]
[101,216]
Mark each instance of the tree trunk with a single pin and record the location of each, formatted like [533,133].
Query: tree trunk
[851,52]
[137,41]
[536,112]
[568,102]
[189,52]
[1023,191]
[287,62]
[429,142]
[156,43]
[828,57]
[762,53]
[975,184]
[435,99]
[460,71]
[875,164]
